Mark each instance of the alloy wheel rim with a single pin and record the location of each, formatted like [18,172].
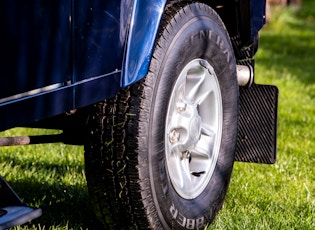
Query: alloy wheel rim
[193,128]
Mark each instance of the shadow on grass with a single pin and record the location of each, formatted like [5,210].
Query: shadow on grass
[64,206]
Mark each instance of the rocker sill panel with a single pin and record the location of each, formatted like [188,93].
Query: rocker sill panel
[32,92]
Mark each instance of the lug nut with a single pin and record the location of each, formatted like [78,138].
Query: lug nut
[181,106]
[174,136]
[186,155]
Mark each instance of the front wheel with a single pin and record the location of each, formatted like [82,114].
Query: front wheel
[160,154]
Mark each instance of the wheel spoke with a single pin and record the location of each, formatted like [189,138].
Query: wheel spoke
[177,119]
[208,115]
[186,172]
[181,121]
[198,86]
[207,130]
[194,81]
[203,149]
[202,96]
[179,168]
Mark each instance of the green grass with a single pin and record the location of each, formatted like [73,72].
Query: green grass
[279,196]
[50,176]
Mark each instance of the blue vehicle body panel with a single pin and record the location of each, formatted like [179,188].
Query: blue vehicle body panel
[65,54]
[35,49]
[258,16]
[100,31]
[35,45]
[59,55]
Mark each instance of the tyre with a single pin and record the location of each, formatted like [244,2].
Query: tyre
[160,154]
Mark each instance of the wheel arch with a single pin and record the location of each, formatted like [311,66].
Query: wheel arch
[243,19]
[145,14]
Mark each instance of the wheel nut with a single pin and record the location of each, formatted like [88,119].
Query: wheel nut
[174,136]
[186,155]
[181,106]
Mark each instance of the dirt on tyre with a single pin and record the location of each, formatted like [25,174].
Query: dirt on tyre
[160,154]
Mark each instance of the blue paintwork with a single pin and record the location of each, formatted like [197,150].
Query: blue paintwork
[91,49]
[100,35]
[34,44]
[78,44]
[146,19]
[258,16]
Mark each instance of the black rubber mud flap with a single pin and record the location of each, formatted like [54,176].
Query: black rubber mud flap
[257,135]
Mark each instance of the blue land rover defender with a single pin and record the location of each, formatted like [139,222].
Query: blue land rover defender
[161,93]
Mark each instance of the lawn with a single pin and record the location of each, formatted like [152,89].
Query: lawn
[279,196]
[50,176]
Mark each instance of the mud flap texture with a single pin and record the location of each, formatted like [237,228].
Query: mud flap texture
[257,135]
